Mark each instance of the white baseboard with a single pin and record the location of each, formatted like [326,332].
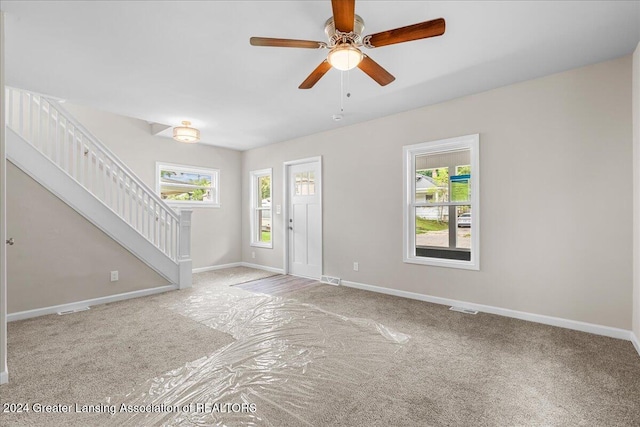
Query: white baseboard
[4,377]
[636,342]
[238,264]
[87,303]
[216,267]
[606,331]
[263,267]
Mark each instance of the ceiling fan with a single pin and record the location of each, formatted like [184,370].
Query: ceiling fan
[344,31]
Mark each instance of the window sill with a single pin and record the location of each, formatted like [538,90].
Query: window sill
[262,245]
[440,262]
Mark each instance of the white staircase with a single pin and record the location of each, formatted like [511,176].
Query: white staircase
[48,144]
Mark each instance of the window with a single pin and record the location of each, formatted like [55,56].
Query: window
[441,199]
[261,208]
[188,186]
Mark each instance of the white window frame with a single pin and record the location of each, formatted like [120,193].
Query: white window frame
[470,142]
[255,197]
[215,184]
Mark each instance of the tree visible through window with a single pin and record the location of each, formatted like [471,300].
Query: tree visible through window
[261,208]
[187,185]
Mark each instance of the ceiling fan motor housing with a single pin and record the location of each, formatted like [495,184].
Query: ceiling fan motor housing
[337,37]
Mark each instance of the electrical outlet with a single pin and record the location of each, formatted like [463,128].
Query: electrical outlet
[114,276]
[253,254]
[355,266]
[278,209]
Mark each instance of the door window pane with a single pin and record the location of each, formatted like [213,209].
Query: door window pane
[312,183]
[305,183]
[298,184]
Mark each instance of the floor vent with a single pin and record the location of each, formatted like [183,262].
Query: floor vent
[463,310]
[330,280]
[75,310]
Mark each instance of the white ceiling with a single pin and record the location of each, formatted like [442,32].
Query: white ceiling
[165,61]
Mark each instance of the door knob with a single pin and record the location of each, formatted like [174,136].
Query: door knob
[10,242]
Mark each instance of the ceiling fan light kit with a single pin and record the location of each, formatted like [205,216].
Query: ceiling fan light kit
[344,31]
[345,57]
[186,133]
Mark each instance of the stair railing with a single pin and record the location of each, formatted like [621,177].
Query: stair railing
[56,134]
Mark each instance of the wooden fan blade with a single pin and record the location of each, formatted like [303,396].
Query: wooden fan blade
[344,13]
[315,75]
[375,71]
[419,31]
[266,41]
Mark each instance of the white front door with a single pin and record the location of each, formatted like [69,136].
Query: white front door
[304,219]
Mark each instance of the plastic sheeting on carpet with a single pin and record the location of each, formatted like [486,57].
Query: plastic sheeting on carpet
[296,363]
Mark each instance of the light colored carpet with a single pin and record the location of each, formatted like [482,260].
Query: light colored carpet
[87,356]
[486,370]
[294,361]
[455,370]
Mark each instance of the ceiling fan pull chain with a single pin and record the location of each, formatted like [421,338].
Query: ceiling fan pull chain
[342,91]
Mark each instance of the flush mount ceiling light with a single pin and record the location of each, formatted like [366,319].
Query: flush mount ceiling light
[185,133]
[344,57]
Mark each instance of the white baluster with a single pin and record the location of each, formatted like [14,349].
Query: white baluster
[44,127]
[170,237]
[10,121]
[74,151]
[57,139]
[109,173]
[131,202]
[167,250]
[96,170]
[34,131]
[115,181]
[123,189]
[81,179]
[25,106]
[136,204]
[145,217]
[154,223]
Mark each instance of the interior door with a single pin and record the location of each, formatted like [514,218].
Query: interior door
[305,219]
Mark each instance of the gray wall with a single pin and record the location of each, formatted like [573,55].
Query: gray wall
[60,257]
[636,192]
[215,231]
[556,186]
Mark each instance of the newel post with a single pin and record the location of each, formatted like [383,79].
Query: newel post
[184,251]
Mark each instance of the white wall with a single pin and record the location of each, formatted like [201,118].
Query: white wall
[556,196]
[215,231]
[636,192]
